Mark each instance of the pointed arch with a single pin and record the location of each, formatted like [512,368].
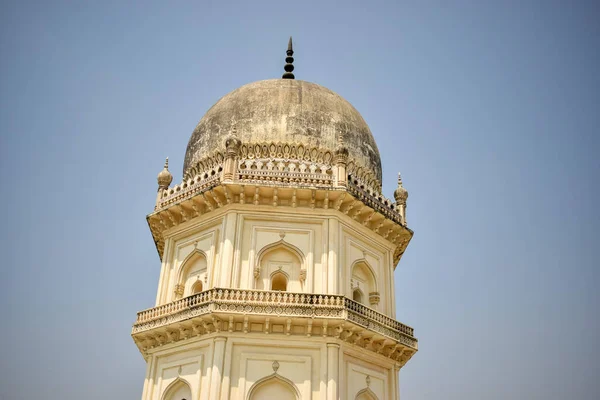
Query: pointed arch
[179,389]
[280,244]
[358,295]
[189,259]
[362,262]
[282,264]
[184,283]
[287,276]
[279,281]
[366,394]
[363,278]
[282,383]
[197,287]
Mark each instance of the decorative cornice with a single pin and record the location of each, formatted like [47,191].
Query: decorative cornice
[203,197]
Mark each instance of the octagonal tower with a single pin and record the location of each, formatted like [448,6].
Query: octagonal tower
[278,251]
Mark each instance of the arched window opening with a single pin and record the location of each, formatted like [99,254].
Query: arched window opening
[279,282]
[357,296]
[197,287]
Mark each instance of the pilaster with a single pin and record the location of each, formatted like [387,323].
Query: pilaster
[217,367]
[332,257]
[149,381]
[333,370]
[232,147]
[224,270]
[341,160]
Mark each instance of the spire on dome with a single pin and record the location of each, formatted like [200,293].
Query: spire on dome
[289,67]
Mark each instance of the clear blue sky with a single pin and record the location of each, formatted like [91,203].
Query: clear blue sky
[490,109]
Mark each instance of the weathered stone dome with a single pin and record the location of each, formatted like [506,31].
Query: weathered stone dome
[286,111]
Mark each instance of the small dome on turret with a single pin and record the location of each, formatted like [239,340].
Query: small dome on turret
[164,177]
[400,194]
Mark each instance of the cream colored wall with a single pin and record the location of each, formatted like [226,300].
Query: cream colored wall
[166,368]
[233,367]
[202,236]
[365,375]
[328,245]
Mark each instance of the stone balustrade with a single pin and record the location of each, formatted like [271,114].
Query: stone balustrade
[375,200]
[285,171]
[188,188]
[275,303]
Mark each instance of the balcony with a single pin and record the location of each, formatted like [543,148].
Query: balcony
[333,315]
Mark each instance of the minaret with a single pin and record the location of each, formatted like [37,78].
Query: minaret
[277,253]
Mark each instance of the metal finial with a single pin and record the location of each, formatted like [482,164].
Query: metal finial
[399,179]
[166,163]
[289,67]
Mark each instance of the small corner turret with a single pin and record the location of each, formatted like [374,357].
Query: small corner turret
[401,194]
[164,179]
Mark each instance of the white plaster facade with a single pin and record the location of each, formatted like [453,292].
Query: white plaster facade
[241,247]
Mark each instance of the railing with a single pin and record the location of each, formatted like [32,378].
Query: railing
[367,312]
[294,172]
[285,171]
[280,303]
[189,188]
[377,202]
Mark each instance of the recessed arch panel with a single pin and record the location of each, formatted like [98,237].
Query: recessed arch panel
[178,390]
[366,394]
[278,267]
[192,269]
[274,387]
[364,280]
[281,244]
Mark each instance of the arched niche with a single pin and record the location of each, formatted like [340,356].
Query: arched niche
[277,263]
[366,394]
[363,284]
[178,390]
[358,295]
[192,275]
[197,286]
[274,387]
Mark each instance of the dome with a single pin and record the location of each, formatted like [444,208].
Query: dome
[286,111]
